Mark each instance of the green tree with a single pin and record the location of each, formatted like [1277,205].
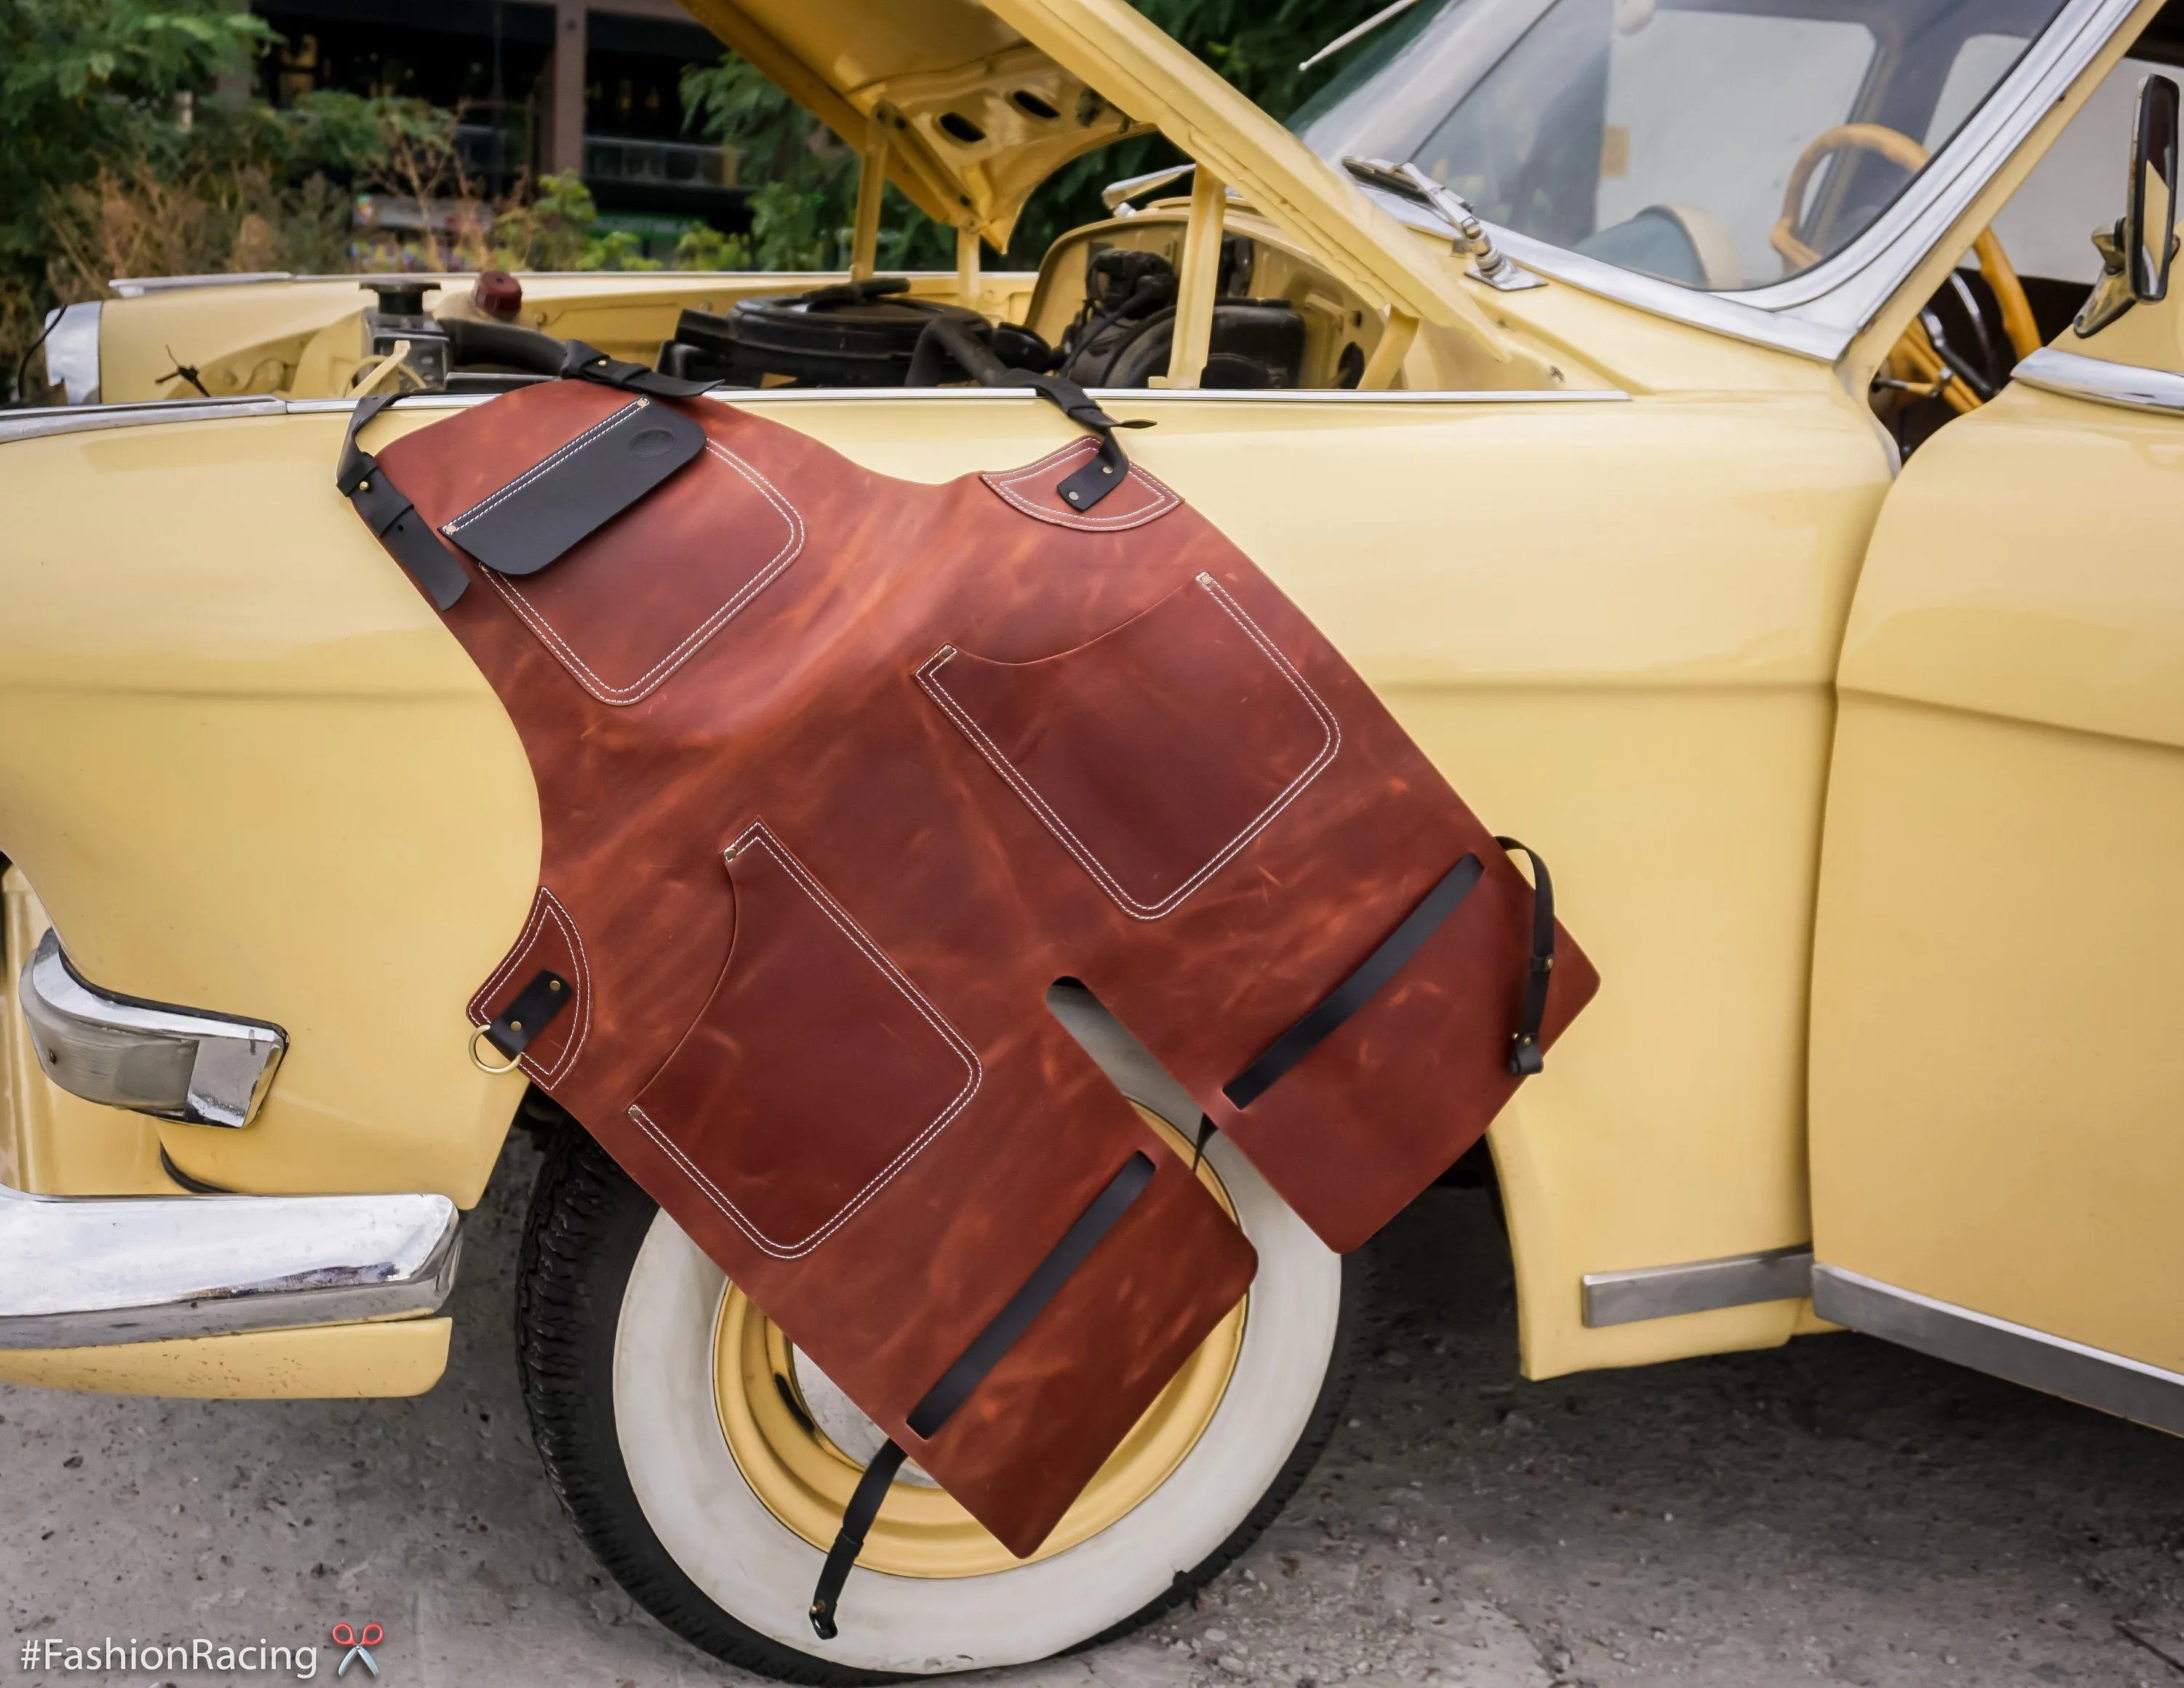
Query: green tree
[85,82]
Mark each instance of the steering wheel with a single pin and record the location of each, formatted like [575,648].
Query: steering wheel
[1915,361]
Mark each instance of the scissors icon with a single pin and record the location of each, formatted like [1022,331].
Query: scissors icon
[360,1646]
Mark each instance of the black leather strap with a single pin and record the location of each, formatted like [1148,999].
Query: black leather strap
[958,1382]
[582,362]
[1105,471]
[988,1347]
[532,1010]
[1359,988]
[1525,1055]
[391,517]
[850,1540]
[947,341]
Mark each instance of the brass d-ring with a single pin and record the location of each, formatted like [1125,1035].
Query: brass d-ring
[513,1063]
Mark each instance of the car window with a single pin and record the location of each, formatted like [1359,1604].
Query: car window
[1672,136]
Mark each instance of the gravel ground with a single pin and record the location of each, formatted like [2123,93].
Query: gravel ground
[1836,1511]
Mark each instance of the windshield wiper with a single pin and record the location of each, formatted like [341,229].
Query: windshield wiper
[1366,28]
[1406,180]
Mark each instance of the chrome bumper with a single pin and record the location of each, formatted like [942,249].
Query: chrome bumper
[178,1064]
[85,1271]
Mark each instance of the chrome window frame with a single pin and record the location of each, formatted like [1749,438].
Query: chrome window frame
[1817,314]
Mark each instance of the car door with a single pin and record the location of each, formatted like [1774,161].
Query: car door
[1999,966]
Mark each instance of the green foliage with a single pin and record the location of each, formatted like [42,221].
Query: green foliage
[550,231]
[706,247]
[802,215]
[85,81]
[801,218]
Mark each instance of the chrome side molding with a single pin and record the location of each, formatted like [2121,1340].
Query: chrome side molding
[2127,386]
[89,1270]
[2092,1377]
[179,1064]
[1624,1298]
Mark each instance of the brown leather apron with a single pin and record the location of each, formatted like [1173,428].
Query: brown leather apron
[839,775]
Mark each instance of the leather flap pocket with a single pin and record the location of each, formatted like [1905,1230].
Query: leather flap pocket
[579,490]
[815,1074]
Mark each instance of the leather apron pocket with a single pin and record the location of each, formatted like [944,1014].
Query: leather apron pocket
[624,607]
[1155,754]
[816,1072]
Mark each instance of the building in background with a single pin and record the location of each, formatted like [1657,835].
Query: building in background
[538,88]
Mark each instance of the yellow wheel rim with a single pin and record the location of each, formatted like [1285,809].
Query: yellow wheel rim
[805,1480]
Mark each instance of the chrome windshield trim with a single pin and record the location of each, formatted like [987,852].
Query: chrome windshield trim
[1728,314]
[2127,386]
[89,1271]
[1817,314]
[198,1068]
[2093,1377]
[1848,289]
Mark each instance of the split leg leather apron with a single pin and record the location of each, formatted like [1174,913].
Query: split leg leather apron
[839,775]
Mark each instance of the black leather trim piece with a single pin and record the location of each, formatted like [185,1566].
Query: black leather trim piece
[392,519]
[850,1540]
[1359,988]
[947,343]
[535,1007]
[1525,1055]
[959,1380]
[583,362]
[547,508]
[962,1380]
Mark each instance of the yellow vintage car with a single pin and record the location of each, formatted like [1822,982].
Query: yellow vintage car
[1707,423]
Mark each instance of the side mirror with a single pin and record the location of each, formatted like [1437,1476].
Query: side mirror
[2135,254]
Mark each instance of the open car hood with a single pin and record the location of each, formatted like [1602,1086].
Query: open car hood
[982,101]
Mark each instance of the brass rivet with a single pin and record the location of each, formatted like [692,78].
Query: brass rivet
[553,984]
[515,1025]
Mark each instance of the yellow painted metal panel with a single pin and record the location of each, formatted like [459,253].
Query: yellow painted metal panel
[52,1143]
[397,1357]
[2020,569]
[1999,981]
[248,770]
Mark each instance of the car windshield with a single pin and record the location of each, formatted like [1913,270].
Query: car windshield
[1715,144]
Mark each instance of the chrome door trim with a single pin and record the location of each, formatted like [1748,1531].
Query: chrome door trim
[135,286]
[1662,1292]
[2127,386]
[39,423]
[2093,1377]
[1818,313]
[89,1271]
[1193,395]
[189,1065]
[58,419]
